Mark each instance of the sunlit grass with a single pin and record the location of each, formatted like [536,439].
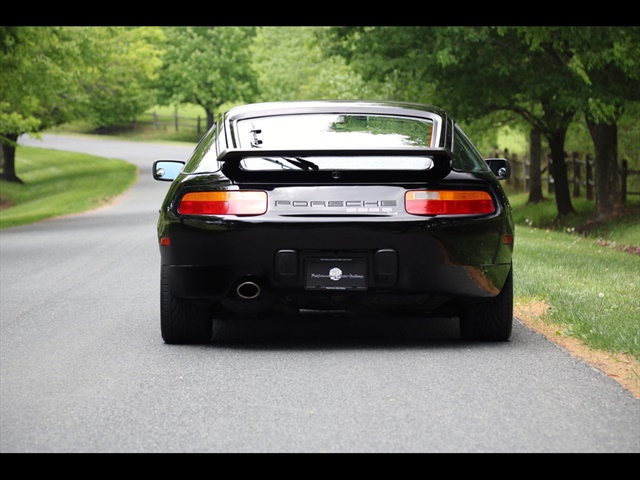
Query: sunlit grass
[593,289]
[60,183]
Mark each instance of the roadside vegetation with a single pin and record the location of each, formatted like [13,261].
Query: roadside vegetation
[589,275]
[61,183]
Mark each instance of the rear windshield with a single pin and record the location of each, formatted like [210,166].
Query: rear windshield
[334,131]
[309,131]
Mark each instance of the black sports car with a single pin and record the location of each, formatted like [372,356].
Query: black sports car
[352,206]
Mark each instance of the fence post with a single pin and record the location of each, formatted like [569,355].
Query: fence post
[576,174]
[155,120]
[589,162]
[623,188]
[175,118]
[515,170]
[526,172]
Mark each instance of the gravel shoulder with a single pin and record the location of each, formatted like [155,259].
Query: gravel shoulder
[624,369]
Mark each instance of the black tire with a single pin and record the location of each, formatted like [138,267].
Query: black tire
[490,320]
[181,321]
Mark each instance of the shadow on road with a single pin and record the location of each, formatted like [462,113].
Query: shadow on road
[321,330]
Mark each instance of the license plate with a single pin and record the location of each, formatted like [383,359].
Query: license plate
[335,273]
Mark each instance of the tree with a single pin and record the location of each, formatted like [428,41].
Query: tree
[547,75]
[52,75]
[207,66]
[602,70]
[127,67]
[41,71]
[608,60]
[496,68]
[473,71]
[290,65]
[396,59]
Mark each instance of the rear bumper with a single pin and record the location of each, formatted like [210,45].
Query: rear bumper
[401,259]
[221,281]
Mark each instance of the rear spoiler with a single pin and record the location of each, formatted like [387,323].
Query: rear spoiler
[231,159]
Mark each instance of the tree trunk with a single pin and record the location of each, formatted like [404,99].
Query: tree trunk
[535,166]
[607,178]
[559,173]
[210,118]
[9,153]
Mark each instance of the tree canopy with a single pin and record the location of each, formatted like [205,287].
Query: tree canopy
[290,65]
[52,75]
[207,66]
[547,78]
[125,84]
[546,75]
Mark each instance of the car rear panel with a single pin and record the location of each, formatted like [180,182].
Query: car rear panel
[363,231]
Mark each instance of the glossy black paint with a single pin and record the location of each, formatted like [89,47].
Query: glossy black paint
[249,264]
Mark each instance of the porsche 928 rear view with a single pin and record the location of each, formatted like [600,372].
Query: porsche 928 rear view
[353,206]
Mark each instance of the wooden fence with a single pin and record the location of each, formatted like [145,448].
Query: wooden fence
[174,121]
[580,172]
[625,173]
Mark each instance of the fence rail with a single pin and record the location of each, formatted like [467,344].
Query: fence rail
[580,172]
[625,173]
[175,121]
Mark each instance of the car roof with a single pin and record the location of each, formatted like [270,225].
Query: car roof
[334,106]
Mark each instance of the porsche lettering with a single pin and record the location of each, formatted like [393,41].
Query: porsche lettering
[336,203]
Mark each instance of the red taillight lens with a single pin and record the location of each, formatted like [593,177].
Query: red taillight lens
[223,203]
[448,202]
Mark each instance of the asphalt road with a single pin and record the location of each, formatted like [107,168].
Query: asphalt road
[83,367]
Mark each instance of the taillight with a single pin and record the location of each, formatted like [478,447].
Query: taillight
[448,202]
[223,203]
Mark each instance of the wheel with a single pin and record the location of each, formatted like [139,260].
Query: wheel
[181,321]
[490,320]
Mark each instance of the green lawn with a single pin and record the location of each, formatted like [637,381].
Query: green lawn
[60,183]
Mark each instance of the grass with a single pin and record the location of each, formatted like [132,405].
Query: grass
[623,231]
[592,285]
[593,290]
[591,279]
[60,183]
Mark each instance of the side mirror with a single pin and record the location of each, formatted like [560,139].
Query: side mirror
[500,167]
[167,170]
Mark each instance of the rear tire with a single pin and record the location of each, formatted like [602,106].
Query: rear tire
[181,321]
[490,320]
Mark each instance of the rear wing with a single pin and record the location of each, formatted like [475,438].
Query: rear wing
[231,158]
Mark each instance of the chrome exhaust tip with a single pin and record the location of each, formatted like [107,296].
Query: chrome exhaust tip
[248,291]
